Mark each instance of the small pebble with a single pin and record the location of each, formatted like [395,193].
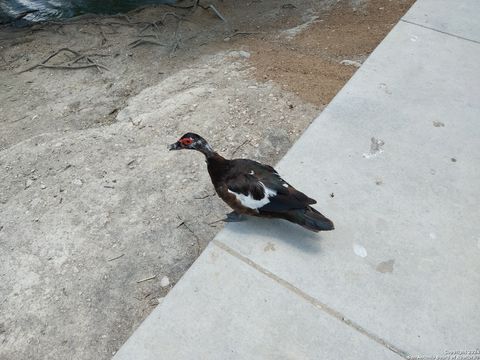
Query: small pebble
[28,183]
[359,250]
[351,63]
[165,281]
[240,53]
[136,122]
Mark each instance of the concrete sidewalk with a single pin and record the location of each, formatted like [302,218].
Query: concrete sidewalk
[399,147]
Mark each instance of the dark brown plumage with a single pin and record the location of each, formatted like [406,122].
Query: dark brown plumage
[252,188]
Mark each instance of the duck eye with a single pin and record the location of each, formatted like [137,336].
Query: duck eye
[186,141]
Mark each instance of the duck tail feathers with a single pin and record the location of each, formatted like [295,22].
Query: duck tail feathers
[311,219]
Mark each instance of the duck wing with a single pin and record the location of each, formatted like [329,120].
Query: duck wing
[260,187]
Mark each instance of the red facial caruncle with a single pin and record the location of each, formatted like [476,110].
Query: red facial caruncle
[186,141]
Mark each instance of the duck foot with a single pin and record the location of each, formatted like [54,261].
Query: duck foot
[234,217]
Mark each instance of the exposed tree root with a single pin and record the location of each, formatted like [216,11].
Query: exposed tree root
[70,65]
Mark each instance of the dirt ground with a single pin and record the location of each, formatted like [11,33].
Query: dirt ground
[97,219]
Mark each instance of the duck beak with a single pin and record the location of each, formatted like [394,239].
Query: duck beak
[174,146]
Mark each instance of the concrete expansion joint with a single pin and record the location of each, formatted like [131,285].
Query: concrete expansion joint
[316,303]
[440,31]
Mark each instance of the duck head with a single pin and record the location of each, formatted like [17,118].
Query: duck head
[192,141]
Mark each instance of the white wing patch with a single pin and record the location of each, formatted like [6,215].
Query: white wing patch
[285,185]
[248,200]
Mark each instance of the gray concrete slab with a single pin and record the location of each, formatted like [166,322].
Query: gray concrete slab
[403,261]
[225,309]
[456,17]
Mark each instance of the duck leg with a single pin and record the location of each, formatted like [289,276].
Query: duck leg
[234,217]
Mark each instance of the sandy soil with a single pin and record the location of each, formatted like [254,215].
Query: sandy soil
[91,203]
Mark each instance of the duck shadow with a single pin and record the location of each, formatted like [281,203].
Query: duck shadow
[274,229]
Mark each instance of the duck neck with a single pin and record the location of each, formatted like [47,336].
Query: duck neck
[208,152]
[217,165]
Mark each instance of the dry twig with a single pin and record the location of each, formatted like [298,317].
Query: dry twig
[197,239]
[239,146]
[70,64]
[203,197]
[236,33]
[116,257]
[215,222]
[176,40]
[146,279]
[214,9]
[139,42]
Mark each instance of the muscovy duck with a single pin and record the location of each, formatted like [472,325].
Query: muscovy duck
[255,189]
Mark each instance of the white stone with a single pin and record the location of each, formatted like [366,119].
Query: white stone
[165,281]
[359,250]
[351,63]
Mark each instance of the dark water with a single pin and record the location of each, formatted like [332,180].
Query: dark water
[23,12]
